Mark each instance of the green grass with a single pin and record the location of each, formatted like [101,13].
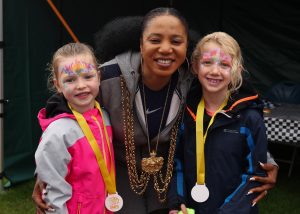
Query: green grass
[283,199]
[17,199]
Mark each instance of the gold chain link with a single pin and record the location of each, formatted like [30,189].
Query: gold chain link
[139,184]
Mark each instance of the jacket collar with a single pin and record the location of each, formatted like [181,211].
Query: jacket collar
[245,97]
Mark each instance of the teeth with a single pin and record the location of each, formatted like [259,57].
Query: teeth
[214,81]
[164,61]
[82,94]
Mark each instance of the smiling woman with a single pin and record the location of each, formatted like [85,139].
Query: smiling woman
[154,84]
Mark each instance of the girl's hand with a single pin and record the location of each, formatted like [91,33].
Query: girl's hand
[183,209]
[268,182]
[41,206]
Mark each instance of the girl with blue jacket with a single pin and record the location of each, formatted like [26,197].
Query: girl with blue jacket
[223,134]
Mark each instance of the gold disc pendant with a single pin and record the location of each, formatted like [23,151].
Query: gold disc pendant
[152,164]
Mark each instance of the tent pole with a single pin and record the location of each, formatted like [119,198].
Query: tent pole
[1,99]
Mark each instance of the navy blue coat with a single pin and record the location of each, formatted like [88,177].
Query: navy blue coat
[235,144]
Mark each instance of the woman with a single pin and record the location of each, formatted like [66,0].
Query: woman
[145,94]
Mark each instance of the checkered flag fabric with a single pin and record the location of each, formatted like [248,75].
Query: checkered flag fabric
[278,130]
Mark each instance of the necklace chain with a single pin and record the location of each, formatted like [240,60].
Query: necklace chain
[161,120]
[139,183]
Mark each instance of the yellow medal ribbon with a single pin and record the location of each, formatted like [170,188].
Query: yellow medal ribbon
[109,178]
[200,139]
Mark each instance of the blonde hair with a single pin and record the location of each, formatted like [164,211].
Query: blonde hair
[229,46]
[68,50]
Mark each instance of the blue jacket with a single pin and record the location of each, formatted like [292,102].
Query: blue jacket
[235,143]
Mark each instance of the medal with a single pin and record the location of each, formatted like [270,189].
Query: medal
[113,202]
[200,193]
[152,164]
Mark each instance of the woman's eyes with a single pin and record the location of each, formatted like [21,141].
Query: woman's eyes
[155,41]
[173,42]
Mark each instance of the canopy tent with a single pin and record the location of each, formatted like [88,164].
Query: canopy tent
[268,32]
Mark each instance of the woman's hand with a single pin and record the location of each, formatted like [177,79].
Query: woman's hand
[183,210]
[41,206]
[268,182]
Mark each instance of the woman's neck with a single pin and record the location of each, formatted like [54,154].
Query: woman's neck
[155,82]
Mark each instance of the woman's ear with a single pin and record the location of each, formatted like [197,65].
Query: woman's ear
[141,45]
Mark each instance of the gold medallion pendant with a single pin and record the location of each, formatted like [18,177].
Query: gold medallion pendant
[152,164]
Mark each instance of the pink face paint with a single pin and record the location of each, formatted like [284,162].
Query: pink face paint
[216,57]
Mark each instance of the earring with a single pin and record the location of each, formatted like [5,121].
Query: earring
[187,62]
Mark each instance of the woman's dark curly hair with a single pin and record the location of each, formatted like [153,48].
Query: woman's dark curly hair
[124,33]
[117,36]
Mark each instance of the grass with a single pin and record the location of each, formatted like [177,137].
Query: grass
[17,199]
[283,199]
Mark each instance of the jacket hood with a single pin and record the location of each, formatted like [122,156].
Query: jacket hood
[56,108]
[129,63]
[57,104]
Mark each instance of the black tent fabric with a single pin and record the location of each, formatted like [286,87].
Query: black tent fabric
[268,32]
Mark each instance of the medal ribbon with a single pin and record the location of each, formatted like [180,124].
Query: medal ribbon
[200,139]
[109,178]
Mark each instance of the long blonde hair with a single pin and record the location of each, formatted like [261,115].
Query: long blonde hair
[231,47]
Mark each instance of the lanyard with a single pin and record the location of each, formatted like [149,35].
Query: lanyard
[200,138]
[109,178]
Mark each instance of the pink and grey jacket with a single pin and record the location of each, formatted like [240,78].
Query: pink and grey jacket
[67,163]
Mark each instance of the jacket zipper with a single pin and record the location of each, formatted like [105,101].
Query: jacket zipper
[78,207]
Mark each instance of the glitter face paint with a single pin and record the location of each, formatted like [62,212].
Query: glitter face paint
[76,69]
[78,81]
[216,57]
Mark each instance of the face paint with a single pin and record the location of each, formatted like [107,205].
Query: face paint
[74,70]
[78,68]
[216,57]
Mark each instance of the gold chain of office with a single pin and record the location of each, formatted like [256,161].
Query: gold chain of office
[139,183]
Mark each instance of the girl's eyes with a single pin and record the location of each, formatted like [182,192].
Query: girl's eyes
[72,79]
[89,76]
[69,80]
[206,62]
[224,65]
